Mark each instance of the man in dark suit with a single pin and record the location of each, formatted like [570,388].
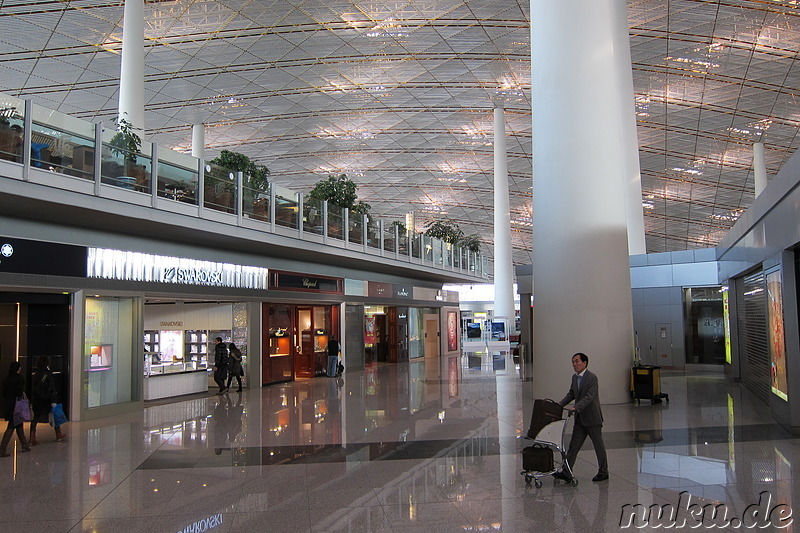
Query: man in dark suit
[588,417]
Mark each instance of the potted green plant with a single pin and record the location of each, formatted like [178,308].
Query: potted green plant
[445,230]
[255,178]
[125,143]
[471,242]
[341,191]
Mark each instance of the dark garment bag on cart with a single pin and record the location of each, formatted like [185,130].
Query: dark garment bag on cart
[544,412]
[537,458]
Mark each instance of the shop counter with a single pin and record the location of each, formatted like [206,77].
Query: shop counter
[168,384]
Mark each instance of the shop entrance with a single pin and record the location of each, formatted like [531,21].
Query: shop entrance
[33,325]
[296,340]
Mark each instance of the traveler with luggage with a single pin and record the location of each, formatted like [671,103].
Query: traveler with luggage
[584,390]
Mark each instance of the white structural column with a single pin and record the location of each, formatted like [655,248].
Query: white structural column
[581,270]
[131,79]
[630,140]
[759,168]
[503,267]
[198,141]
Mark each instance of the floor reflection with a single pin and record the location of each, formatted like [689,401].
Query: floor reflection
[430,445]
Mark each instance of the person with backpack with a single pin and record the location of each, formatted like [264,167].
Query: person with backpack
[44,396]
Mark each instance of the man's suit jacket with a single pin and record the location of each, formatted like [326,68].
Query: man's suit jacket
[587,400]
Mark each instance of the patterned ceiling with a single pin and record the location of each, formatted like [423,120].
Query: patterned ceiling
[399,96]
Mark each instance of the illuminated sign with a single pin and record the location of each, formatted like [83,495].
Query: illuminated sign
[134,266]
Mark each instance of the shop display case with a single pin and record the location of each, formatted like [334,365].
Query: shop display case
[280,356]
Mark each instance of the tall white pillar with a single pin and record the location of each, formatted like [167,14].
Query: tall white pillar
[503,267]
[759,167]
[198,141]
[131,78]
[630,140]
[581,271]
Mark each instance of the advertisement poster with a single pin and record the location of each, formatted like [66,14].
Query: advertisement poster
[727,324]
[369,330]
[452,331]
[172,345]
[777,345]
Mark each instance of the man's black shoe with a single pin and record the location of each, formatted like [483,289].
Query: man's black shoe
[562,475]
[600,477]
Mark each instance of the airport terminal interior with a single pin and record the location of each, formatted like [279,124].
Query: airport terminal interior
[415,447]
[402,98]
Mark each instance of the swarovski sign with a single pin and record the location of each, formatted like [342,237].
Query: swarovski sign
[193,276]
[134,266]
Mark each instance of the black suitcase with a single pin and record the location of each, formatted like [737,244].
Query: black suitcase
[537,458]
[544,412]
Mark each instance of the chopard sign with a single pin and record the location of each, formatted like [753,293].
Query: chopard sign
[310,283]
[192,275]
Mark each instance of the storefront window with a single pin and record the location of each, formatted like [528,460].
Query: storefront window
[416,330]
[110,342]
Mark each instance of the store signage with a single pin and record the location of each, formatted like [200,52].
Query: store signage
[379,290]
[134,266]
[194,276]
[23,256]
[204,524]
[302,282]
[403,291]
[171,323]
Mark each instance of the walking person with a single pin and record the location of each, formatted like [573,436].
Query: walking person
[13,389]
[333,357]
[235,369]
[44,396]
[584,389]
[220,364]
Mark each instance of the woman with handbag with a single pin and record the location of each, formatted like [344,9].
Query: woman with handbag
[13,390]
[44,397]
[235,369]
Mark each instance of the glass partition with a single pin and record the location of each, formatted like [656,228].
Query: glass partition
[437,251]
[416,242]
[447,254]
[177,176]
[312,216]
[12,128]
[285,211]
[427,248]
[123,168]
[373,233]
[219,188]
[335,221]
[356,233]
[402,241]
[388,237]
[62,143]
[255,200]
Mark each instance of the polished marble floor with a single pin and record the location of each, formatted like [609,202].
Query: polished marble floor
[428,446]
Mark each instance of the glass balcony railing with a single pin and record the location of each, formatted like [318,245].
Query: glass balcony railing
[61,143]
[219,189]
[66,146]
[312,216]
[286,211]
[335,222]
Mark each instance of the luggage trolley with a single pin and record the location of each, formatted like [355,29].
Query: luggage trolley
[550,437]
